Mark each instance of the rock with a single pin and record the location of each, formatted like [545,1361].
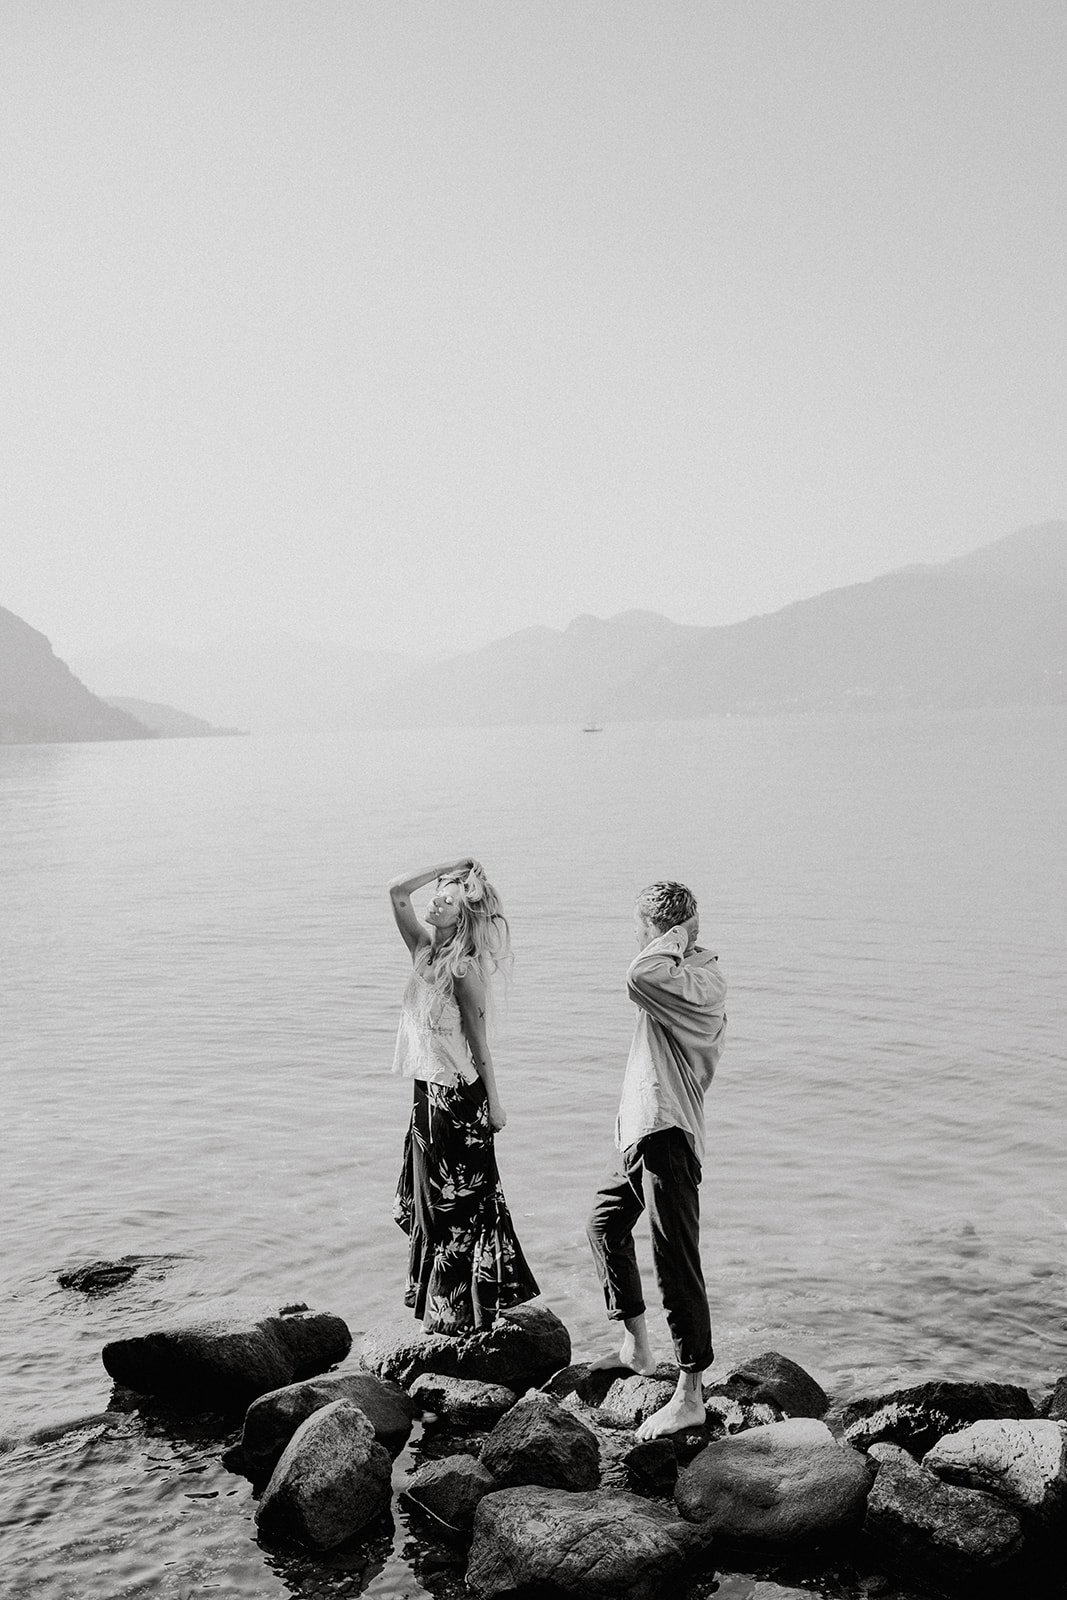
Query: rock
[332,1479]
[932,1527]
[1023,1463]
[271,1421]
[917,1417]
[228,1353]
[525,1346]
[464,1401]
[537,1441]
[588,1383]
[652,1467]
[787,1480]
[1055,1405]
[449,1490]
[772,1379]
[591,1545]
[100,1277]
[724,1415]
[631,1399]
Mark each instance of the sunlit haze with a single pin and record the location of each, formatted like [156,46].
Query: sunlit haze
[408,325]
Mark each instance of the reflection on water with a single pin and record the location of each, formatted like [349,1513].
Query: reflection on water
[199,985]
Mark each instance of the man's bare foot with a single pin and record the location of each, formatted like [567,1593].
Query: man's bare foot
[634,1355]
[680,1412]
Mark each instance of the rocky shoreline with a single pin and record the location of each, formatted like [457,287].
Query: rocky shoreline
[526,1479]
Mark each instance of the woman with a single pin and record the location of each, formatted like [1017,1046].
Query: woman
[464,1262]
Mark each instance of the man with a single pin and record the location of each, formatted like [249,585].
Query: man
[680,994]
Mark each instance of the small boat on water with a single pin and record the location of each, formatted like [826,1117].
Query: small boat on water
[593,727]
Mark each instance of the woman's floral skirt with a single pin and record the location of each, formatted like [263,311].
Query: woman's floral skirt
[464,1263]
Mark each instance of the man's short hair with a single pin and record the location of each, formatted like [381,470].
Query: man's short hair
[664,905]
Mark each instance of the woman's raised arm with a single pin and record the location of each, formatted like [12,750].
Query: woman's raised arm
[401,889]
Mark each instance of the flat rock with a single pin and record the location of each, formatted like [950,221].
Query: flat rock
[465,1401]
[932,1527]
[593,1545]
[538,1441]
[271,1421]
[917,1417]
[524,1347]
[449,1490]
[332,1479]
[774,1380]
[227,1353]
[1023,1463]
[787,1481]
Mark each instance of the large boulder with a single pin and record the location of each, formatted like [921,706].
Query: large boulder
[931,1527]
[538,1441]
[449,1490]
[333,1478]
[917,1417]
[228,1353]
[523,1348]
[1022,1463]
[785,1481]
[463,1401]
[774,1380]
[547,1541]
[271,1421]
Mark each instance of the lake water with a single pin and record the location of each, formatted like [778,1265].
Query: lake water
[199,987]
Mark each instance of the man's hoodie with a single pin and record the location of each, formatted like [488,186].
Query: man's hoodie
[681,1026]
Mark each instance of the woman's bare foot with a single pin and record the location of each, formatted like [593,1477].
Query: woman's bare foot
[634,1354]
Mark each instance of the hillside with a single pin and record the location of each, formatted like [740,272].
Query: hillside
[167,722]
[42,702]
[989,628]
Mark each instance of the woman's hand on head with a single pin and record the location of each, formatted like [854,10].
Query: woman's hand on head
[498,1117]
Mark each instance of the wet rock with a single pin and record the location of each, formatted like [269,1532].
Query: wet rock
[546,1541]
[228,1353]
[789,1480]
[1023,1463]
[332,1479]
[525,1346]
[1055,1405]
[538,1441]
[463,1401]
[271,1421]
[449,1490]
[588,1383]
[917,1417]
[100,1277]
[652,1467]
[774,1380]
[633,1398]
[932,1527]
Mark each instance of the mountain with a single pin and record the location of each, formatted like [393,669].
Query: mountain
[166,722]
[42,702]
[987,628]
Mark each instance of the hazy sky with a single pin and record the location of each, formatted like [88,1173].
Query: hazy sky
[410,324]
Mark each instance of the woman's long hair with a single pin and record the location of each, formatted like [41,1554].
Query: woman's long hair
[481,942]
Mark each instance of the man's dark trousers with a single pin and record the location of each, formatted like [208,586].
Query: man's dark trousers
[662,1172]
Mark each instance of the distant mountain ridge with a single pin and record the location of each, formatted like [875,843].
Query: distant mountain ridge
[42,702]
[987,628]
